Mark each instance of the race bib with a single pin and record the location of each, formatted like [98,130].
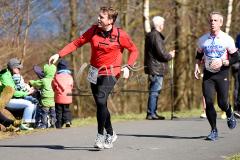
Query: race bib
[208,62]
[92,75]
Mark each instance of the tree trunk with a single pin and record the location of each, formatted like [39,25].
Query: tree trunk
[26,32]
[19,25]
[124,22]
[180,71]
[73,35]
[147,26]
[227,30]
[229,16]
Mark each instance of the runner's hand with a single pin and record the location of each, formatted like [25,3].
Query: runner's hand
[125,71]
[31,91]
[216,64]
[53,59]
[172,53]
[197,71]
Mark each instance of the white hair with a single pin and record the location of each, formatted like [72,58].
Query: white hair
[157,20]
[216,13]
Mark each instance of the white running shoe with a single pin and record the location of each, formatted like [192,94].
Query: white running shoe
[99,141]
[25,126]
[203,115]
[114,136]
[109,140]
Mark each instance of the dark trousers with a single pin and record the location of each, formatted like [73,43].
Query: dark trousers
[46,115]
[216,83]
[237,107]
[5,121]
[63,114]
[100,92]
[236,93]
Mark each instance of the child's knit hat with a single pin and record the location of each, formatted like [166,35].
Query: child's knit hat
[39,72]
[62,64]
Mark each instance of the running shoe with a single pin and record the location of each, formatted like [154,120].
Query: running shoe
[114,136]
[25,126]
[109,140]
[99,141]
[231,122]
[213,135]
[68,124]
[155,117]
[203,115]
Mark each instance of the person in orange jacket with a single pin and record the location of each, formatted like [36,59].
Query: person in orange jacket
[62,85]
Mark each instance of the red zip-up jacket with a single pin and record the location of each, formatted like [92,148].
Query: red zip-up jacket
[62,85]
[106,51]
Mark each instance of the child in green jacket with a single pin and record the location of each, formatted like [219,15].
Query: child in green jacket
[46,116]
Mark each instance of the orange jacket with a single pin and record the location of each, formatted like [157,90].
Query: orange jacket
[62,85]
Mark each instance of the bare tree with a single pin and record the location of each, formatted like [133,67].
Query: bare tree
[26,31]
[147,27]
[19,24]
[182,33]
[73,35]
[229,16]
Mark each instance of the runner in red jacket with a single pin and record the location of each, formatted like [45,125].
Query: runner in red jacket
[106,48]
[107,44]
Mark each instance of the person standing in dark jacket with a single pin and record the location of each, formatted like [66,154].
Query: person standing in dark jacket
[155,65]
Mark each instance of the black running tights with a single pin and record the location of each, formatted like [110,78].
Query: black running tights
[101,91]
[216,83]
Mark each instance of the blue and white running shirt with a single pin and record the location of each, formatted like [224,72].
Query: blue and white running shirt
[215,48]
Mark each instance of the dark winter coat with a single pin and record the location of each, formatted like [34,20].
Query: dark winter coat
[156,57]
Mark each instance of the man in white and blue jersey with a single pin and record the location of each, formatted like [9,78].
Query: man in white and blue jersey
[219,52]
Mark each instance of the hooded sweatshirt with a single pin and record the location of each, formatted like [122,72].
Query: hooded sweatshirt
[44,84]
[7,80]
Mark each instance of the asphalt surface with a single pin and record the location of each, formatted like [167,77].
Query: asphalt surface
[182,139]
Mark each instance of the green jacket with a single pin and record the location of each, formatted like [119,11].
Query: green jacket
[45,85]
[6,80]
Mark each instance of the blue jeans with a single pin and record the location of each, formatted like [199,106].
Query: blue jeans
[22,104]
[154,91]
[31,99]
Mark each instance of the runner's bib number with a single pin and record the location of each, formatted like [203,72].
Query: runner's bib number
[208,62]
[92,75]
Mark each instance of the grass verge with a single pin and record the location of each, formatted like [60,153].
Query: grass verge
[234,157]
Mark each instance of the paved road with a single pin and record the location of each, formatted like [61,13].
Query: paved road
[138,140]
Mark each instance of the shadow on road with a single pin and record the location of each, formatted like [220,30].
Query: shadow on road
[162,136]
[55,147]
